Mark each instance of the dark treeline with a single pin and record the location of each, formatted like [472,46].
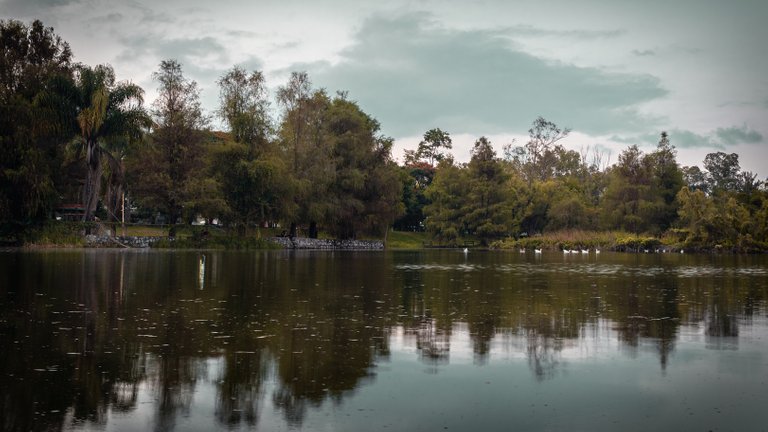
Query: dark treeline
[74,134]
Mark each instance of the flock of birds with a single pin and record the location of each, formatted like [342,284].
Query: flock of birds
[566,251]
[585,251]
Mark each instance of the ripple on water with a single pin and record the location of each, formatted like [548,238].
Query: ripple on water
[596,269]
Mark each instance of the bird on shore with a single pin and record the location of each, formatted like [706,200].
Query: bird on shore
[522,250]
[566,251]
[597,251]
[466,250]
[585,251]
[538,251]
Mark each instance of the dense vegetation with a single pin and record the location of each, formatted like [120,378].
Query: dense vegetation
[72,133]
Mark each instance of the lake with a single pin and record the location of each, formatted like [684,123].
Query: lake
[129,340]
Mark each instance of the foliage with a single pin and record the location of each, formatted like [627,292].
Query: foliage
[202,239]
[55,233]
[642,190]
[35,121]
[582,239]
[69,132]
[110,117]
[416,178]
[445,213]
[429,149]
[165,168]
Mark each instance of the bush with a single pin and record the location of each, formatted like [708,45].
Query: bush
[57,233]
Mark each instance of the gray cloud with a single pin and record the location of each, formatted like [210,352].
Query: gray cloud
[31,7]
[739,135]
[526,30]
[413,75]
[644,53]
[184,50]
[111,18]
[688,139]
[717,139]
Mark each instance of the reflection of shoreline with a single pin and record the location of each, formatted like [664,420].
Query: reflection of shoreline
[290,335]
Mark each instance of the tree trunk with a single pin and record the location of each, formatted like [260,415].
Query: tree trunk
[92,188]
[292,232]
[313,230]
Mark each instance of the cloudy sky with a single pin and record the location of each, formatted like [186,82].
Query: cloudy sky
[617,72]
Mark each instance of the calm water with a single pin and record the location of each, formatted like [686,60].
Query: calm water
[401,341]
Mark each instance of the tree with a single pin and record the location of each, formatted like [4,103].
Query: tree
[666,182]
[430,147]
[165,168]
[695,179]
[255,181]
[110,115]
[723,170]
[488,212]
[416,177]
[366,190]
[447,196]
[244,106]
[295,99]
[543,134]
[256,190]
[36,119]
[625,200]
[308,153]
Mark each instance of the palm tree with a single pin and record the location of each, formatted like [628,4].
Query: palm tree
[110,117]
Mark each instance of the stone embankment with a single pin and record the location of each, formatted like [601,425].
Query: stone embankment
[105,241]
[322,244]
[111,242]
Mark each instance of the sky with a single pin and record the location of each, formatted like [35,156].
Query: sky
[616,72]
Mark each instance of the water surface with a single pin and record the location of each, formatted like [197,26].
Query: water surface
[404,341]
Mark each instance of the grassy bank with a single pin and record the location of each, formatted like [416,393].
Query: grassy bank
[578,239]
[51,234]
[407,240]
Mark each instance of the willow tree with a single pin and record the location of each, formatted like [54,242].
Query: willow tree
[110,116]
[302,136]
[254,179]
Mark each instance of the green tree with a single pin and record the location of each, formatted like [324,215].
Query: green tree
[695,179]
[666,182]
[540,159]
[366,190]
[416,177]
[447,196]
[255,189]
[36,119]
[488,208]
[244,106]
[295,97]
[723,170]
[430,147]
[624,202]
[110,116]
[165,170]
[255,180]
[307,151]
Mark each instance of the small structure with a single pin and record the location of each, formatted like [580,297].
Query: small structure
[70,212]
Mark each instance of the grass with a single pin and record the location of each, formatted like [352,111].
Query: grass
[580,239]
[406,240]
[53,233]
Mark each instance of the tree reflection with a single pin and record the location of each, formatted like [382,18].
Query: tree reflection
[84,334]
